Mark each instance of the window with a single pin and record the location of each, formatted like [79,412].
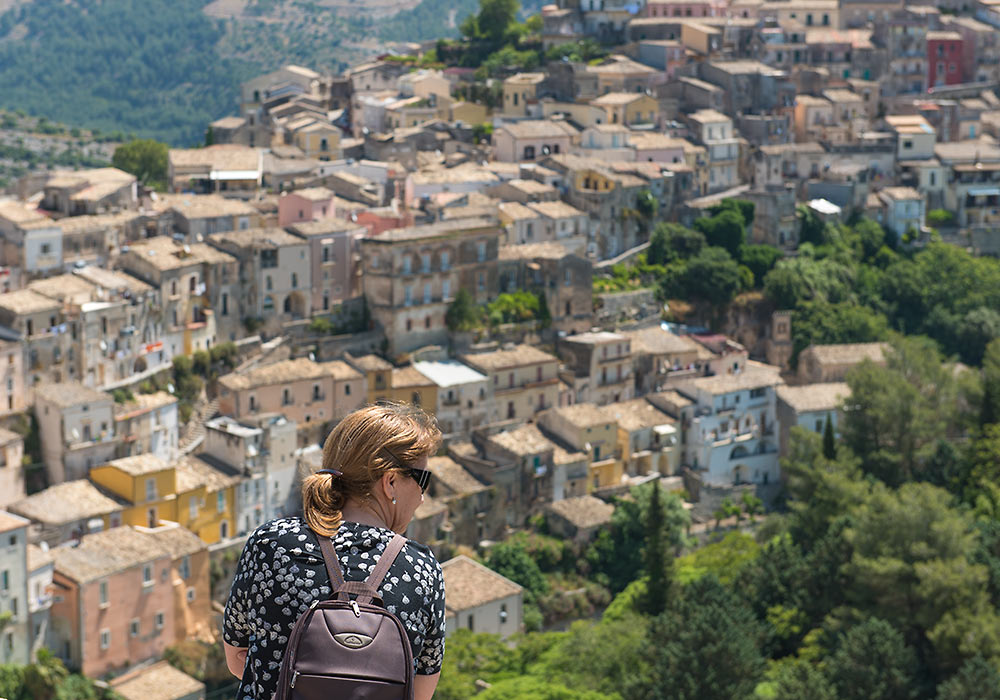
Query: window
[445,262]
[5,581]
[185,568]
[427,292]
[268,259]
[268,283]
[481,251]
[220,501]
[133,628]
[471,624]
[224,528]
[347,389]
[529,153]
[105,638]
[147,575]
[408,295]
[568,277]
[190,594]
[445,289]
[286,397]
[193,509]
[481,283]
[103,593]
[406,265]
[295,281]
[425,262]
[225,304]
[269,303]
[151,489]
[158,620]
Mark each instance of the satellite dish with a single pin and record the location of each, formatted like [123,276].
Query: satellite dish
[170,388]
[75,432]
[104,346]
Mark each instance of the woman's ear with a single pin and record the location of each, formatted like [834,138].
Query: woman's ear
[388,484]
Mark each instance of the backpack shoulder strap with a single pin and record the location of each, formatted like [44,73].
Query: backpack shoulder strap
[366,590]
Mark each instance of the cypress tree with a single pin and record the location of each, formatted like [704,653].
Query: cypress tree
[829,444]
[655,559]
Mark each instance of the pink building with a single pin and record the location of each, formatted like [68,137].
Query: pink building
[332,248]
[944,58]
[531,139]
[113,601]
[657,148]
[310,204]
[384,219]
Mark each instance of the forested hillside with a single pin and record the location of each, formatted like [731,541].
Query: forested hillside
[165,68]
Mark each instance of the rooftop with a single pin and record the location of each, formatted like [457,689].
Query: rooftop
[258,238]
[583,415]
[726,383]
[538,129]
[22,213]
[469,584]
[67,287]
[453,477]
[316,194]
[27,301]
[583,512]
[220,157]
[530,186]
[67,502]
[282,372]
[429,507]
[595,338]
[340,370]
[177,540]
[38,557]
[163,253]
[466,172]
[708,116]
[518,356]
[523,440]
[161,681]
[555,210]
[814,397]
[515,211]
[371,363]
[324,227]
[857,38]
[406,377]
[10,521]
[945,35]
[449,373]
[8,436]
[114,280]
[106,553]
[139,465]
[617,98]
[548,250]
[195,471]
[657,341]
[441,229]
[67,394]
[143,403]
[637,414]
[848,353]
[901,193]
[203,206]
[525,79]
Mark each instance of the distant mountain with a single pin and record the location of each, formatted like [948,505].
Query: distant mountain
[165,68]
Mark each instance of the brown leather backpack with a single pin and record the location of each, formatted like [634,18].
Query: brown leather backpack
[349,649]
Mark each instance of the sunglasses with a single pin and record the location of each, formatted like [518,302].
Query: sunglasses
[421,476]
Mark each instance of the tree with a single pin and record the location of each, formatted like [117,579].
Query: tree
[615,556]
[896,413]
[829,443]
[873,662]
[722,559]
[977,678]
[760,259]
[711,276]
[752,504]
[725,230]
[743,207]
[658,562]
[822,323]
[534,688]
[794,281]
[509,559]
[463,314]
[990,409]
[912,566]
[812,229]
[801,680]
[704,647]
[43,678]
[144,158]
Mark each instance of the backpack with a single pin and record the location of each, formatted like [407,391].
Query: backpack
[344,649]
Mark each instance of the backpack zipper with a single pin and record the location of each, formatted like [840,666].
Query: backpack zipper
[294,677]
[355,608]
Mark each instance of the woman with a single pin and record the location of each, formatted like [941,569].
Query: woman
[373,478]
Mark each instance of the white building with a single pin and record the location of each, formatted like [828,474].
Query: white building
[148,424]
[731,433]
[14,642]
[809,406]
[464,395]
[904,209]
[41,564]
[11,473]
[715,131]
[77,429]
[263,449]
[480,599]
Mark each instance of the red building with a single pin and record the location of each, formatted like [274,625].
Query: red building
[944,58]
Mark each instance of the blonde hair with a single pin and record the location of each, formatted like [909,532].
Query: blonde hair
[364,446]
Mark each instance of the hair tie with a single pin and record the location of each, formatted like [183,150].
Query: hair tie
[331,472]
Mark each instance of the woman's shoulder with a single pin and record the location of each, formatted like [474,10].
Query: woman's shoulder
[280,530]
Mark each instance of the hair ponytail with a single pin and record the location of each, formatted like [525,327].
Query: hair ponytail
[322,503]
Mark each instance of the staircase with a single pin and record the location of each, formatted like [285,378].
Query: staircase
[194,431]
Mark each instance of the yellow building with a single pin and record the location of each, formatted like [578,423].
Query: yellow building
[206,499]
[378,376]
[589,429]
[628,108]
[192,492]
[409,386]
[146,483]
[318,140]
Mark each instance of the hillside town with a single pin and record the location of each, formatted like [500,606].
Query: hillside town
[174,359]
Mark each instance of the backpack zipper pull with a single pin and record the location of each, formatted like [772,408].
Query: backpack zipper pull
[295,675]
[355,608]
